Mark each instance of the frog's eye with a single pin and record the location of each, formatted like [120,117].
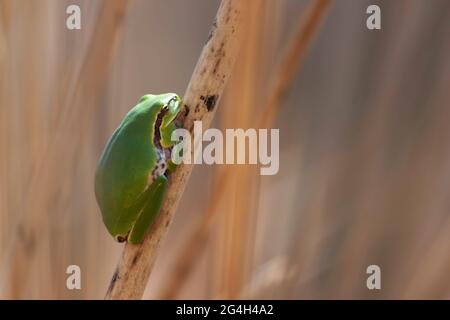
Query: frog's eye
[173,99]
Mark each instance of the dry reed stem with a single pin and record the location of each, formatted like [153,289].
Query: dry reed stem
[283,76]
[202,95]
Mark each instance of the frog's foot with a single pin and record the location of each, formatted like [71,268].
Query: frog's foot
[121,238]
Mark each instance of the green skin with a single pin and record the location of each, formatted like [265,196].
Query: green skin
[130,180]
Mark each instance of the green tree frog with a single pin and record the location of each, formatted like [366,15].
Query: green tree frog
[130,179]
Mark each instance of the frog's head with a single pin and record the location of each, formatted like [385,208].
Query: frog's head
[166,118]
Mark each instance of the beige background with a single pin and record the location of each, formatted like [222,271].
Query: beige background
[364,149]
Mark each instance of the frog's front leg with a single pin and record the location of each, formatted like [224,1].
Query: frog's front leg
[154,195]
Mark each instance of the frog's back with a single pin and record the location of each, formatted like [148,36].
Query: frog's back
[124,167]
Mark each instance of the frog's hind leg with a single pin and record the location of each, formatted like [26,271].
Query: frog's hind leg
[154,195]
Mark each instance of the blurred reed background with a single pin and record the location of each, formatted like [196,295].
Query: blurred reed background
[364,150]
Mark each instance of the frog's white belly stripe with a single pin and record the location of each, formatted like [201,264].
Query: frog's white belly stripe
[159,169]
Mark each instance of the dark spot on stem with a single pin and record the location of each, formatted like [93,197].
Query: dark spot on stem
[216,66]
[186,110]
[135,259]
[210,102]
[115,277]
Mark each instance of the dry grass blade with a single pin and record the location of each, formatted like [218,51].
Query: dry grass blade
[288,67]
[204,91]
[74,106]
[293,58]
